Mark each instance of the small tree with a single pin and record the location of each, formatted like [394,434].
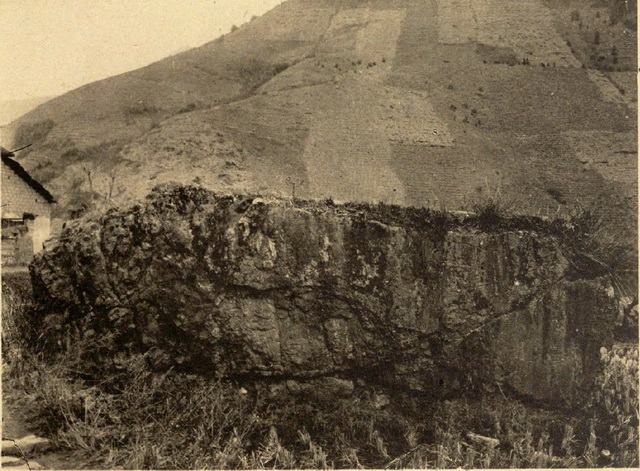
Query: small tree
[89,172]
[293,184]
[614,54]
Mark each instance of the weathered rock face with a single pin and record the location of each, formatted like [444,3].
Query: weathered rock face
[245,287]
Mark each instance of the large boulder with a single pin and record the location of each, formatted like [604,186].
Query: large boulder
[282,290]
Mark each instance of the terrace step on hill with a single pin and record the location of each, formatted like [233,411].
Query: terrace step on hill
[414,102]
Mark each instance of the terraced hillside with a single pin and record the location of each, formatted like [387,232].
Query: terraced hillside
[415,102]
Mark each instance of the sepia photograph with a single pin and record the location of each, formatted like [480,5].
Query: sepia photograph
[319,234]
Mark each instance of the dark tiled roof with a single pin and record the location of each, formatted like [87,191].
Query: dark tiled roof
[6,153]
[22,173]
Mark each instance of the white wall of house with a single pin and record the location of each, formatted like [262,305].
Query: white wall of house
[18,199]
[41,232]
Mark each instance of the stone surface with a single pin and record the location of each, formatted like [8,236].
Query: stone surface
[271,289]
[22,464]
[25,446]
[11,461]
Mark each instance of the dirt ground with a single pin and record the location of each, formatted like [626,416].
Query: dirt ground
[15,425]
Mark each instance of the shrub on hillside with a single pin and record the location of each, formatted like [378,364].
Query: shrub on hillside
[490,206]
[596,38]
[140,108]
[625,10]
[280,67]
[188,108]
[255,72]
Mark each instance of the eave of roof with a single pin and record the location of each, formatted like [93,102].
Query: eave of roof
[22,173]
[5,152]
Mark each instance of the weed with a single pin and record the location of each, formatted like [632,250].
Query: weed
[595,249]
[535,438]
[17,329]
[615,405]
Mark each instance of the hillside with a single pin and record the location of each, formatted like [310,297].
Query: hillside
[415,102]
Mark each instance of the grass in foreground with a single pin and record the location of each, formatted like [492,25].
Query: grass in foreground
[134,418]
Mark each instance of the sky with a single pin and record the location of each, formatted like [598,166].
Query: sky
[49,47]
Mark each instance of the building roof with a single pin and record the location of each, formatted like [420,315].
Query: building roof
[22,173]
